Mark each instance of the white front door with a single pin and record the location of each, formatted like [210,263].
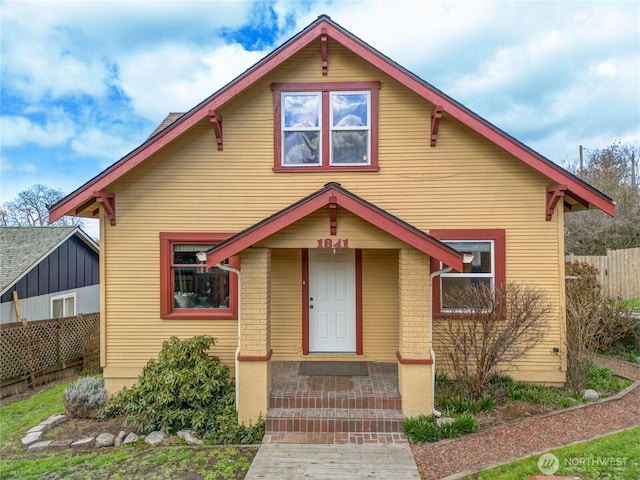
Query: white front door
[332,300]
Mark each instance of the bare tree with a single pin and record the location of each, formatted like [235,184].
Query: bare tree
[30,208]
[490,330]
[613,170]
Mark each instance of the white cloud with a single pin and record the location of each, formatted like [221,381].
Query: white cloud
[6,166]
[174,78]
[96,143]
[18,131]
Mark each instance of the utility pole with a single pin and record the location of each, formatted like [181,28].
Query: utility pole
[581,162]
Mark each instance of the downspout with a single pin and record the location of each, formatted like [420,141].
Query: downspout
[433,275]
[227,268]
[466,258]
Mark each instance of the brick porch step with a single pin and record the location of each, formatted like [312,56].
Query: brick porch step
[330,420]
[329,399]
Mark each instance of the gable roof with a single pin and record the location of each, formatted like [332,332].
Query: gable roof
[83,201]
[332,194]
[22,248]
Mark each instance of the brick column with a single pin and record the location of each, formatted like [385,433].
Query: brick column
[254,376]
[414,360]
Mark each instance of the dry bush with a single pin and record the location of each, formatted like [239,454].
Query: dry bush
[594,322]
[491,330]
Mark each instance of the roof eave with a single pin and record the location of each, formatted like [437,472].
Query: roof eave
[332,192]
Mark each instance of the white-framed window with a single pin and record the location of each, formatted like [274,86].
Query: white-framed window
[301,129]
[481,271]
[350,120]
[63,306]
[326,126]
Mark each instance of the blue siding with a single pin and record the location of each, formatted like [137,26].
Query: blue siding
[72,265]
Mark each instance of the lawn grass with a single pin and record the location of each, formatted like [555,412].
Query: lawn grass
[139,461]
[615,456]
[21,416]
[136,462]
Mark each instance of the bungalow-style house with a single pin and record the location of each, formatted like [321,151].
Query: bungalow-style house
[54,271]
[303,213]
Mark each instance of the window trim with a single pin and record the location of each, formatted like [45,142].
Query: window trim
[325,89]
[63,297]
[167,309]
[499,258]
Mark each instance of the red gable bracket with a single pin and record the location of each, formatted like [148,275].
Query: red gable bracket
[554,194]
[324,39]
[108,202]
[350,202]
[436,115]
[333,215]
[216,120]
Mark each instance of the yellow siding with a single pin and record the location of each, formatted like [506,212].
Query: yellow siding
[380,304]
[464,182]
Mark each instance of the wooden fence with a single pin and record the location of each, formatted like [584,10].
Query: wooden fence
[619,271]
[32,353]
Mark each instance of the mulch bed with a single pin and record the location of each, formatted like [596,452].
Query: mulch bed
[537,433]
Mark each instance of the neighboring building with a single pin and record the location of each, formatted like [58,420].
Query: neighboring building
[336,182]
[54,270]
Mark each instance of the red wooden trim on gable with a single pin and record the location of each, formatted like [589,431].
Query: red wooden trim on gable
[436,115]
[167,310]
[108,202]
[305,301]
[413,361]
[216,120]
[256,358]
[280,220]
[479,125]
[359,330]
[323,50]
[333,215]
[287,50]
[498,235]
[554,194]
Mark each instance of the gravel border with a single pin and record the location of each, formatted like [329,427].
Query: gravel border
[469,454]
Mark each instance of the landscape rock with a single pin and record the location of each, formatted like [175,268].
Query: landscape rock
[131,438]
[444,421]
[119,438]
[60,444]
[30,438]
[105,440]
[154,438]
[190,437]
[85,442]
[39,446]
[590,395]
[38,428]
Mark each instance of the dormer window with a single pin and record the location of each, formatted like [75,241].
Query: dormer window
[326,126]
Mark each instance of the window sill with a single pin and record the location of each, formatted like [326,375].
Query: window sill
[198,314]
[349,168]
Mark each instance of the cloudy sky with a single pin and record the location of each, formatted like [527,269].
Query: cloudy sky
[84,82]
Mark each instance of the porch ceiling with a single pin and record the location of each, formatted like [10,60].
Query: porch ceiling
[333,195]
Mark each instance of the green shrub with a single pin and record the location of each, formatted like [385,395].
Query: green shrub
[465,423]
[604,381]
[422,429]
[442,380]
[459,404]
[425,428]
[85,398]
[185,388]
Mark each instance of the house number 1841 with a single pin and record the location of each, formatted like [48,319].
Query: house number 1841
[330,243]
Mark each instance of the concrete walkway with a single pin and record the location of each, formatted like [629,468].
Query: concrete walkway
[280,461]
